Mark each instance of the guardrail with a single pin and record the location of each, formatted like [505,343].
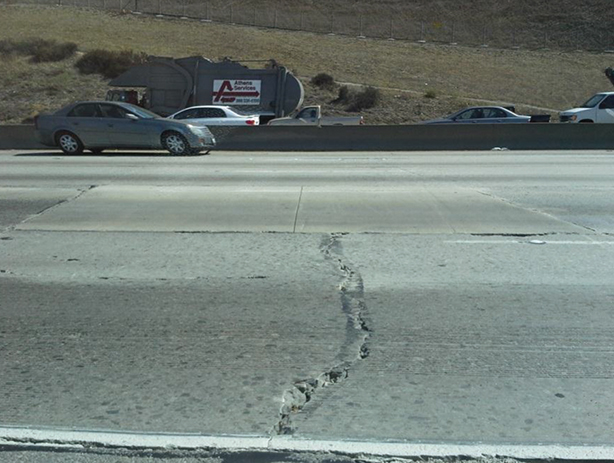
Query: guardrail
[385,137]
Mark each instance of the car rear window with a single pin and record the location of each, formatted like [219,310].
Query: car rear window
[85,110]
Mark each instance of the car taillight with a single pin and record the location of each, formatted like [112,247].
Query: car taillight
[250,122]
[362,121]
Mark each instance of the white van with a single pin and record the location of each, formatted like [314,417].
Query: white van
[599,109]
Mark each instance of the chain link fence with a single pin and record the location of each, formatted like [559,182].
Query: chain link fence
[392,23]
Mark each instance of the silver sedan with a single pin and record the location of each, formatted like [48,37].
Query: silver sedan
[482,115]
[99,125]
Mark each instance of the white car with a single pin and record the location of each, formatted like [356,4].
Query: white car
[214,115]
[599,109]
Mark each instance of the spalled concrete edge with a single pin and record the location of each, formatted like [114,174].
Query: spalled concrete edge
[64,439]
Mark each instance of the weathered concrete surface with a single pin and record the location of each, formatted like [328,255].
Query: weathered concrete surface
[150,208]
[18,204]
[478,339]
[420,209]
[443,336]
[162,332]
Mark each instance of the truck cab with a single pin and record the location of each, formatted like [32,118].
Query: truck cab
[598,109]
[312,115]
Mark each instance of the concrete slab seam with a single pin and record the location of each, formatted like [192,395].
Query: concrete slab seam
[47,209]
[536,211]
[298,206]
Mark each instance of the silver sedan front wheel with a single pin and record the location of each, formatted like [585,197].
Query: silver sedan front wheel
[176,144]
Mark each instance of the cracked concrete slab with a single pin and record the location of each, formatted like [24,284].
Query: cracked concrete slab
[508,342]
[162,332]
[354,348]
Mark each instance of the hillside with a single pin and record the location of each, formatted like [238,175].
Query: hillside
[564,24]
[454,75]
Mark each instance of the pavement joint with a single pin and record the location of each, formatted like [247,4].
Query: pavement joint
[298,206]
[535,210]
[49,208]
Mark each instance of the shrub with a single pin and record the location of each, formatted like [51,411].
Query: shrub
[48,51]
[109,64]
[6,47]
[366,99]
[430,94]
[40,50]
[323,81]
[344,95]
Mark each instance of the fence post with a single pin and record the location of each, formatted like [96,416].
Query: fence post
[391,30]
[275,18]
[302,27]
[453,42]
[484,37]
[332,24]
[254,18]
[231,15]
[422,37]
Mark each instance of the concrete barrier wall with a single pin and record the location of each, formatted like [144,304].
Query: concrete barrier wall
[386,138]
[423,137]
[18,137]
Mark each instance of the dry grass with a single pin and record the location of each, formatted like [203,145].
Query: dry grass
[531,23]
[27,89]
[544,78]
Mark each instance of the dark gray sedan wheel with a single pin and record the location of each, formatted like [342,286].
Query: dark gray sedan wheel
[69,143]
[176,144]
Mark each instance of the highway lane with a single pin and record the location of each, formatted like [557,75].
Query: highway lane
[282,169]
[441,297]
[303,189]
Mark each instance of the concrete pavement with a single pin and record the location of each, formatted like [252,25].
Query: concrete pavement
[478,312]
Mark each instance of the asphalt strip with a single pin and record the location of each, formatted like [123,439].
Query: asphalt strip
[63,439]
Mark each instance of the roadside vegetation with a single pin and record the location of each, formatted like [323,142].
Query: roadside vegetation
[410,81]
[107,63]
[39,50]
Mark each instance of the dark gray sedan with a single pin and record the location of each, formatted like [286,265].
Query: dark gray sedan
[99,125]
[482,115]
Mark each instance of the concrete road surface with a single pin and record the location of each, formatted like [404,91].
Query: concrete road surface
[449,298]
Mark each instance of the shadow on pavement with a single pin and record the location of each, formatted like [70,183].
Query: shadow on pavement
[110,154]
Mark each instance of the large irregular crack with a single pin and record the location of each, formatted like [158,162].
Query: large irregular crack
[355,347]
